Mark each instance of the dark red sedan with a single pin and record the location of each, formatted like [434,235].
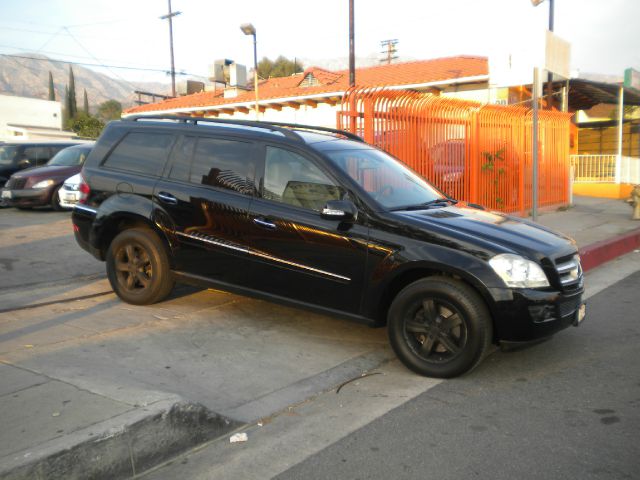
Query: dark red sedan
[39,186]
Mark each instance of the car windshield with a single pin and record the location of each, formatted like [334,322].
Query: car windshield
[388,181]
[69,157]
[7,155]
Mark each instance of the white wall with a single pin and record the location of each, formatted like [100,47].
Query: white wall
[323,115]
[30,112]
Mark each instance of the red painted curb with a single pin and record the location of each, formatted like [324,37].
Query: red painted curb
[598,253]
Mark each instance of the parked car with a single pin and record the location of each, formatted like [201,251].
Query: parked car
[317,218]
[15,156]
[69,193]
[39,186]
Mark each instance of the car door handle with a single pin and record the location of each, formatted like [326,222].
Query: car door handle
[167,198]
[261,222]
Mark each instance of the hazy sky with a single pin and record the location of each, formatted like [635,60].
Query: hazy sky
[604,34]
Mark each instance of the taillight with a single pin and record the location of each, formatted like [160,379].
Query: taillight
[84,190]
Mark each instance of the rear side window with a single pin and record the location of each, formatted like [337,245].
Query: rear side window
[141,153]
[227,164]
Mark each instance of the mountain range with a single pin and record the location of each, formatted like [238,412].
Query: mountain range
[27,75]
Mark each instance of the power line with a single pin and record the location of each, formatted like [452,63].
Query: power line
[97,59]
[86,64]
[49,52]
[49,40]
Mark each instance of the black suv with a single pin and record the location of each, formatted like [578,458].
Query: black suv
[317,218]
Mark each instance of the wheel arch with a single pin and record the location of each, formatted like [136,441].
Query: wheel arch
[116,223]
[417,270]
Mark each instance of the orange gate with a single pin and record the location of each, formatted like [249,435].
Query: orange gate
[474,152]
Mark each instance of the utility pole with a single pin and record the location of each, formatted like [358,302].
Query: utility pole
[550,75]
[534,206]
[352,48]
[169,17]
[390,50]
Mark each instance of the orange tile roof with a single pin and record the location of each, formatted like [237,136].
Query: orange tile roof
[406,73]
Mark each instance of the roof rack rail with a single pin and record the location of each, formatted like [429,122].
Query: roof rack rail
[347,134]
[283,128]
[195,120]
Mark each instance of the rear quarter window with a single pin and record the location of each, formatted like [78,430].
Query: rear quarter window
[141,152]
[227,164]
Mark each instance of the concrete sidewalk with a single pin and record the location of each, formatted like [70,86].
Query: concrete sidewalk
[91,387]
[601,227]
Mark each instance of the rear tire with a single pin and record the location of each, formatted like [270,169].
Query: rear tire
[138,267]
[439,327]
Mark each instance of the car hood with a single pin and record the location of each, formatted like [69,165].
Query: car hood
[49,171]
[493,231]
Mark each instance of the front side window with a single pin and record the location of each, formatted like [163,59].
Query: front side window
[384,178]
[293,179]
[227,164]
[70,157]
[37,155]
[143,153]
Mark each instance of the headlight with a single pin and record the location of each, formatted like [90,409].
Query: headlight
[518,272]
[43,184]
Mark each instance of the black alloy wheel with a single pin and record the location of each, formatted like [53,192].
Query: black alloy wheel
[435,330]
[133,267]
[138,267]
[439,327]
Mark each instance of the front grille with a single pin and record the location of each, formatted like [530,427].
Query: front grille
[568,306]
[16,183]
[569,271]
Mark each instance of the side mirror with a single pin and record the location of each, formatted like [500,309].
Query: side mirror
[24,163]
[342,210]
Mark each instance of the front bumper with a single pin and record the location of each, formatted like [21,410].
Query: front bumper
[68,198]
[532,314]
[30,197]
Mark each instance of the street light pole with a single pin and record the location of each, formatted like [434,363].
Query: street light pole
[169,17]
[551,21]
[249,29]
[352,47]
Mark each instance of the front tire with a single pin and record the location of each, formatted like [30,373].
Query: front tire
[439,327]
[138,267]
[55,200]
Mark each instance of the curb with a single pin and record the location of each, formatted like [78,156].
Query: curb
[596,254]
[127,444]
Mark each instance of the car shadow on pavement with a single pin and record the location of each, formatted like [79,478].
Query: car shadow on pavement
[57,321]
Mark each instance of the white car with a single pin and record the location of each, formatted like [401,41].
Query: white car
[69,193]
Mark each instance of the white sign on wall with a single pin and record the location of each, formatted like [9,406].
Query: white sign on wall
[513,62]
[557,55]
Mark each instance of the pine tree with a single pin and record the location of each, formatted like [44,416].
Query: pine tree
[72,104]
[52,91]
[65,110]
[86,102]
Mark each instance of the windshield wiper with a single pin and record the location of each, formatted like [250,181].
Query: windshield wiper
[440,202]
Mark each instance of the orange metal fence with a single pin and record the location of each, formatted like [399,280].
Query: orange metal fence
[474,152]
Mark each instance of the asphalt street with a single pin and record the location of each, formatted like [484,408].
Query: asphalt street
[567,408]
